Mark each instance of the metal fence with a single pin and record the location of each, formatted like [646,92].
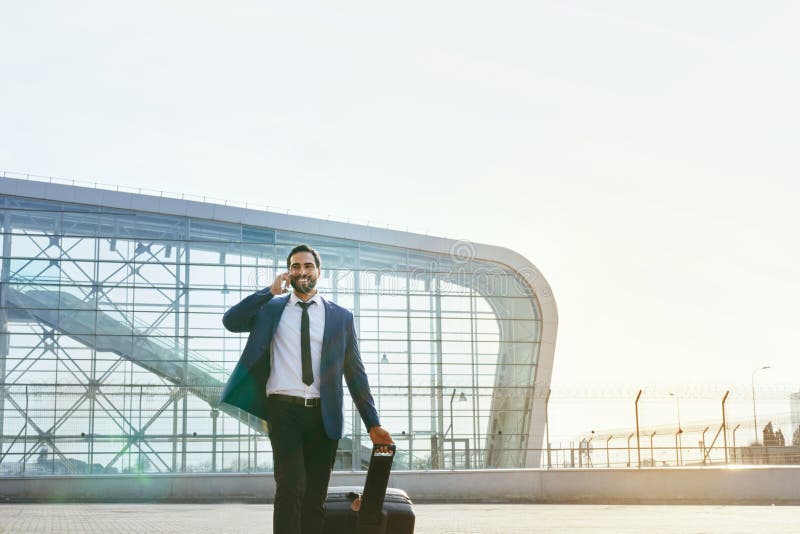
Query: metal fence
[113,429]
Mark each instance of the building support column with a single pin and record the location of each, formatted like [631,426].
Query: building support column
[5,336]
[183,385]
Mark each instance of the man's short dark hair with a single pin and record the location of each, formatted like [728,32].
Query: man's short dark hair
[303,248]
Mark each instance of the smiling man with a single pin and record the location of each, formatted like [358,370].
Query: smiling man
[290,374]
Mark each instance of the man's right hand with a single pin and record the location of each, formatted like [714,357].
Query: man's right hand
[277,287]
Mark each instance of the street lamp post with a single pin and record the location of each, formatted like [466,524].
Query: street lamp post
[725,427]
[461,398]
[629,450]
[753,388]
[652,457]
[734,442]
[638,441]
[452,432]
[547,426]
[678,403]
[703,444]
[679,433]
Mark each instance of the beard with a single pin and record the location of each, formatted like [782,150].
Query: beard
[304,287]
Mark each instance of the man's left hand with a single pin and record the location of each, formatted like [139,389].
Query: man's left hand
[381,436]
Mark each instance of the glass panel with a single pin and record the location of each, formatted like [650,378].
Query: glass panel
[115,324]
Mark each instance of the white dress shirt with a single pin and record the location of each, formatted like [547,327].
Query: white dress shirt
[286,375]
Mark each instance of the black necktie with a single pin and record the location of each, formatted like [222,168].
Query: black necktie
[305,344]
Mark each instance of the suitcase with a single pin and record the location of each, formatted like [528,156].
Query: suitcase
[378,511]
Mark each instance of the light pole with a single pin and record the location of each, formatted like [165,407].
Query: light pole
[629,450]
[461,398]
[547,425]
[753,388]
[703,444]
[638,440]
[678,403]
[652,457]
[725,427]
[679,433]
[734,442]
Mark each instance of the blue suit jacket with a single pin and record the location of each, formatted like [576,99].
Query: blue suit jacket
[260,314]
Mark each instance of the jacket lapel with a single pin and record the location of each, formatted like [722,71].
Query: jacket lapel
[277,312]
[274,309]
[329,327]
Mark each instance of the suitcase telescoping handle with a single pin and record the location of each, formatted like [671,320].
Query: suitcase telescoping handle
[371,517]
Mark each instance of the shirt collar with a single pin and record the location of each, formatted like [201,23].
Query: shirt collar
[294,299]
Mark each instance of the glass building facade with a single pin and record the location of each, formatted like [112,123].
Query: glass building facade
[113,355]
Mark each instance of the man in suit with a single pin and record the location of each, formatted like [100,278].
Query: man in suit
[290,375]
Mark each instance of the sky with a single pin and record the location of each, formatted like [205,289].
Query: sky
[643,156]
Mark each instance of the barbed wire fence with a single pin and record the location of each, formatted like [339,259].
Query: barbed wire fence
[669,425]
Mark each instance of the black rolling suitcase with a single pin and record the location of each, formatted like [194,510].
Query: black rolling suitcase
[378,511]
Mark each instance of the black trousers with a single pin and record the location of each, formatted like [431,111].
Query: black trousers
[303,457]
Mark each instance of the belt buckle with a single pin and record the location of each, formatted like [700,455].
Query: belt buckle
[306,403]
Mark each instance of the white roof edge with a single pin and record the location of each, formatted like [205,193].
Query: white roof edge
[296,223]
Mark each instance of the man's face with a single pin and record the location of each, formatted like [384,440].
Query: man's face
[303,272]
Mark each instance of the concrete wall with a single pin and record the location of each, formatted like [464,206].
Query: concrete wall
[736,485]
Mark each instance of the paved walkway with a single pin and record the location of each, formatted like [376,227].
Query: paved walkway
[431,519]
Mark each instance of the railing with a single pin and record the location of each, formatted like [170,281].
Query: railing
[132,326]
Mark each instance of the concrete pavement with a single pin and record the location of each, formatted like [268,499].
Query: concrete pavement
[431,518]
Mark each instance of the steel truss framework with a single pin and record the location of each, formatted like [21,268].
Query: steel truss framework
[112,355]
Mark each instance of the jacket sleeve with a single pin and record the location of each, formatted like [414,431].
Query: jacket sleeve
[240,317]
[356,378]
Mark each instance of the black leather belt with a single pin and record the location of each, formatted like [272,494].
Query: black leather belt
[308,403]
